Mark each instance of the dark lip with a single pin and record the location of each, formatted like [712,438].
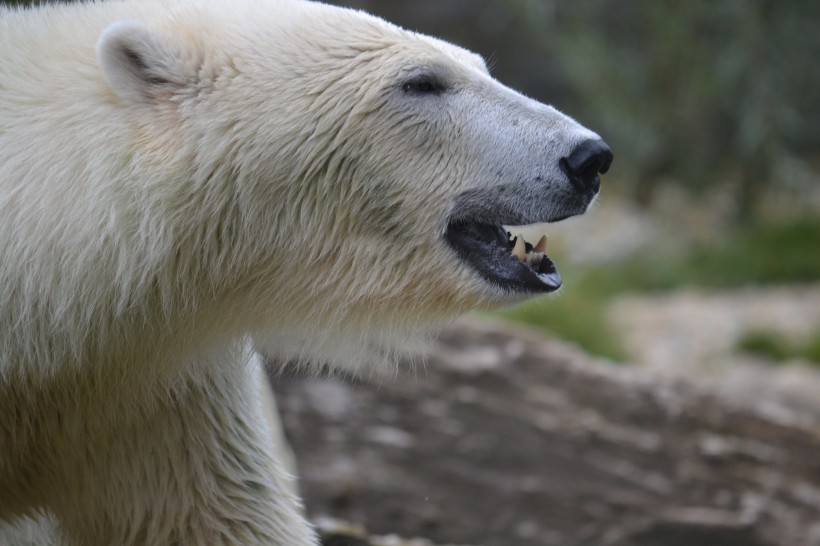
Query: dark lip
[486,248]
[474,230]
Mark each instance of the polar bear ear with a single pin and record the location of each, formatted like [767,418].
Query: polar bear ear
[136,63]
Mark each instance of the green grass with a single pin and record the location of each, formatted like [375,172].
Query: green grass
[775,348]
[779,253]
[787,252]
[774,253]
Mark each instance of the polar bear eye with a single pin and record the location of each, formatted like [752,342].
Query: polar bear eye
[423,84]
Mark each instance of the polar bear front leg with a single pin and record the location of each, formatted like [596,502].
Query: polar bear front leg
[201,469]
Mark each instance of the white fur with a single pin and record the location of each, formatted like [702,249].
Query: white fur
[179,178]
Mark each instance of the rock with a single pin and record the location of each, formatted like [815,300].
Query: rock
[504,438]
[339,533]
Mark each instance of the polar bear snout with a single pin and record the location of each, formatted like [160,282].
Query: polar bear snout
[585,163]
[548,169]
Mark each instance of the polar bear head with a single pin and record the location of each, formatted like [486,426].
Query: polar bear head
[352,178]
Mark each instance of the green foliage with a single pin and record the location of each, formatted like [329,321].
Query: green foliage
[812,349]
[696,92]
[786,252]
[751,254]
[775,348]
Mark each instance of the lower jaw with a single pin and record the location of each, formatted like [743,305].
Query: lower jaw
[506,264]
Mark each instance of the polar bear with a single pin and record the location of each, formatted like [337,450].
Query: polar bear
[187,185]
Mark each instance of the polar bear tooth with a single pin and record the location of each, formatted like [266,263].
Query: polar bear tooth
[541,245]
[534,259]
[519,250]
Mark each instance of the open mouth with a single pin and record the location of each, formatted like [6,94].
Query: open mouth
[505,260]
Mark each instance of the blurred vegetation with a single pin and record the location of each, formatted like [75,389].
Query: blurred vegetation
[700,92]
[775,348]
[764,253]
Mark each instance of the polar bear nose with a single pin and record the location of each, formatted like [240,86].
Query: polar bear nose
[590,158]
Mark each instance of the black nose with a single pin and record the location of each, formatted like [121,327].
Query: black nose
[590,158]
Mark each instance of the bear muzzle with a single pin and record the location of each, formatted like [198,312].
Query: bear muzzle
[475,229]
